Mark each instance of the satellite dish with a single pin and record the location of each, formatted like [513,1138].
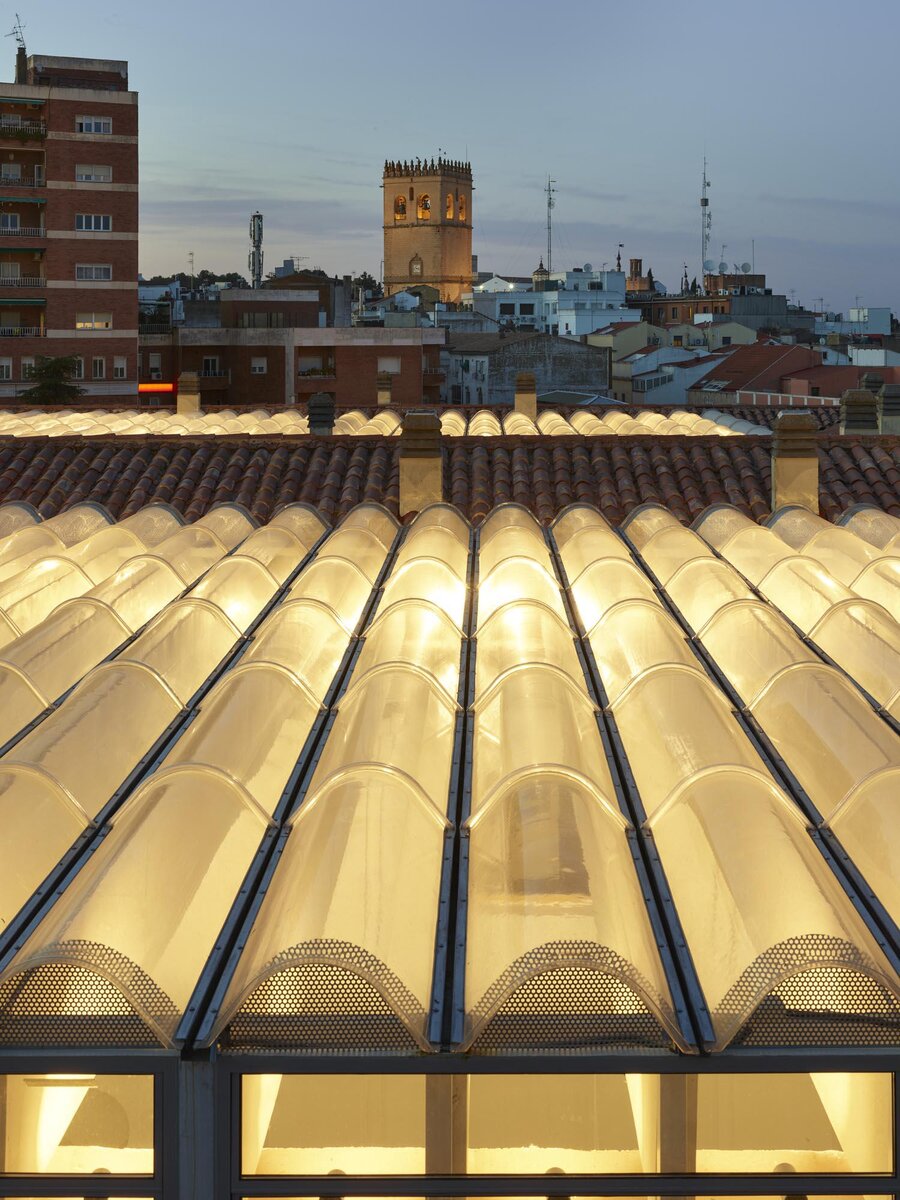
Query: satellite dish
[708,264]
[745,267]
[588,267]
[723,267]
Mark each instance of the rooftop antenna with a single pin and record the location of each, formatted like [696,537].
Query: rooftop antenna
[705,220]
[551,204]
[17,32]
[255,259]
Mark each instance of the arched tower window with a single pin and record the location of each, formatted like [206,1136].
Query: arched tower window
[449,207]
[400,208]
[461,208]
[423,207]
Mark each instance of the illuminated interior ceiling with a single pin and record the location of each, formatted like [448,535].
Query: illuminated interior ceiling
[354,741]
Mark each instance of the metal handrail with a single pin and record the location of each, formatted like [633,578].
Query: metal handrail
[21,281]
[23,231]
[20,181]
[21,331]
[22,126]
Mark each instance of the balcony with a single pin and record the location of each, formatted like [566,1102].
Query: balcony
[154,327]
[22,131]
[8,181]
[210,381]
[25,231]
[22,331]
[22,281]
[316,381]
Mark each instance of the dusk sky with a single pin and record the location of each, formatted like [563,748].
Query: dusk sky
[291,107]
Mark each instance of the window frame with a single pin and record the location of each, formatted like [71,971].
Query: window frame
[87,123]
[120,366]
[86,173]
[93,324]
[83,227]
[94,268]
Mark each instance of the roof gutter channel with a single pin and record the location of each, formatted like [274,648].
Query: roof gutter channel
[687,995]
[195,1030]
[447,1019]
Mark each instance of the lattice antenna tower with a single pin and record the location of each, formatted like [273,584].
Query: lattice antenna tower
[255,259]
[705,220]
[550,189]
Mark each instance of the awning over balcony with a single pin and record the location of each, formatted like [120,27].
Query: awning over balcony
[20,200]
[15,302]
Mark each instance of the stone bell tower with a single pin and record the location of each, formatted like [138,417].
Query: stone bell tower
[428,226]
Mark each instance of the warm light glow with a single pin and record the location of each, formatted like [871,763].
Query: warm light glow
[156,387]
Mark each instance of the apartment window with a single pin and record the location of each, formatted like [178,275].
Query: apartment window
[10,270]
[93,271]
[98,368]
[154,361]
[9,221]
[674,312]
[507,310]
[10,171]
[5,369]
[93,124]
[120,367]
[258,366]
[526,310]
[726,341]
[27,368]
[93,320]
[78,373]
[389,366]
[210,365]
[92,173]
[93,223]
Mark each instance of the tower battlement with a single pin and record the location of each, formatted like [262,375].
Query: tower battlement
[414,168]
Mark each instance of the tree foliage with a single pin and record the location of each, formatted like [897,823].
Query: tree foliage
[52,381]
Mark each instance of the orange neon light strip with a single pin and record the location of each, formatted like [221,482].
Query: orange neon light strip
[156,387]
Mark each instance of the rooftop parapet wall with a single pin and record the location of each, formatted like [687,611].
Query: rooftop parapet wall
[423,166]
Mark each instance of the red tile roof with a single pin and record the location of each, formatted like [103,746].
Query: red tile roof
[759,367]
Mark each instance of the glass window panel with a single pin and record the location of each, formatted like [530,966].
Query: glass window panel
[536,716]
[552,887]
[39,824]
[123,708]
[306,637]
[605,583]
[880,581]
[436,542]
[752,642]
[754,550]
[865,641]
[184,644]
[632,637]
[252,725]
[83,1124]
[699,731]
[825,731]
[30,597]
[803,590]
[140,589]
[647,519]
[191,551]
[399,717]
[338,583]
[523,631]
[416,632]
[366,825]
[868,825]
[517,579]
[239,586]
[188,835]
[703,586]
[670,549]
[430,579]
[229,522]
[760,905]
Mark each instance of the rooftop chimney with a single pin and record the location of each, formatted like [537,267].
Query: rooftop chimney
[320,411]
[384,381]
[889,408]
[859,411]
[21,65]
[526,395]
[795,461]
[421,465]
[188,398]
[872,383]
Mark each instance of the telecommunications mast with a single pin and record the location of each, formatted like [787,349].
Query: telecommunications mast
[705,220]
[255,261]
[551,204]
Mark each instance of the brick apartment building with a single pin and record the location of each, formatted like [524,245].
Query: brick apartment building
[69,222]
